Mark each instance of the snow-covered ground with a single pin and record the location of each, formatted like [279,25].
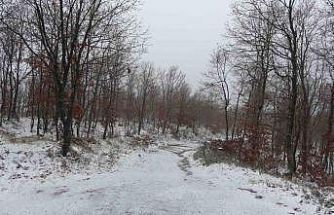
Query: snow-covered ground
[159,180]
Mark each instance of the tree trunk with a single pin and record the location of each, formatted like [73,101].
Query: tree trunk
[291,158]
[328,157]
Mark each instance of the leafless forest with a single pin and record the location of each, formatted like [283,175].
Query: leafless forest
[280,99]
[73,65]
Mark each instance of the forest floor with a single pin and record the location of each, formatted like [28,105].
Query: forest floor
[118,178]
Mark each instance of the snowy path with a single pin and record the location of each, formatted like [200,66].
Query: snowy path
[166,181]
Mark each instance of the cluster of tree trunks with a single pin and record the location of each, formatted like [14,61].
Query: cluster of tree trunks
[282,61]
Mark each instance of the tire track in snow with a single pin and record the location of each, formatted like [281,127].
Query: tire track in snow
[180,150]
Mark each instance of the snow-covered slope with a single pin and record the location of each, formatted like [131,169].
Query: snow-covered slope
[163,180]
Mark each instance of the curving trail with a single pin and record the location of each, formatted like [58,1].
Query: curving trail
[164,181]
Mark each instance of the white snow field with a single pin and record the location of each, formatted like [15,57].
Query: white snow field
[161,180]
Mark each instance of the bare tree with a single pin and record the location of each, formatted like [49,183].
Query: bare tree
[145,82]
[218,80]
[63,29]
[171,82]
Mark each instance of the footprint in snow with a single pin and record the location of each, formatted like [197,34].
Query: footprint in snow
[61,191]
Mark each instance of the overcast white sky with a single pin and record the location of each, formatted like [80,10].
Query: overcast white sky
[184,33]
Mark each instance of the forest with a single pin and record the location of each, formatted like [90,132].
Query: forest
[74,69]
[70,68]
[274,77]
